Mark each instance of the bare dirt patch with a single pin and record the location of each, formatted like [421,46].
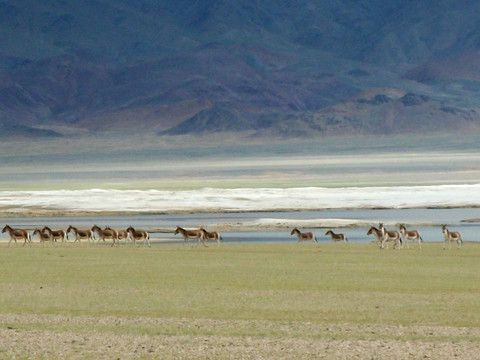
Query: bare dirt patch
[88,337]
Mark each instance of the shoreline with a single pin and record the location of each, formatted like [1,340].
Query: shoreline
[15,212]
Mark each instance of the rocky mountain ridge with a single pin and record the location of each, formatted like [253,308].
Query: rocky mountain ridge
[263,67]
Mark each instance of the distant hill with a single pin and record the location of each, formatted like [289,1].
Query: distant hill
[272,67]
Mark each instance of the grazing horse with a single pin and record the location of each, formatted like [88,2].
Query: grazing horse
[56,234]
[210,236]
[43,236]
[410,235]
[80,234]
[336,237]
[139,235]
[451,236]
[378,234]
[304,236]
[190,235]
[105,234]
[17,234]
[391,235]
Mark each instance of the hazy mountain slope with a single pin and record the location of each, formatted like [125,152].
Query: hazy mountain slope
[265,67]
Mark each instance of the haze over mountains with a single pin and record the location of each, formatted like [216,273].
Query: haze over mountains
[270,67]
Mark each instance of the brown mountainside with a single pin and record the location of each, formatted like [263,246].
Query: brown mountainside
[262,67]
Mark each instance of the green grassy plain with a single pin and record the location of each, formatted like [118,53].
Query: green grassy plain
[249,297]
[354,283]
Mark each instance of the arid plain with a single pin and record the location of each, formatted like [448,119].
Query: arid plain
[275,300]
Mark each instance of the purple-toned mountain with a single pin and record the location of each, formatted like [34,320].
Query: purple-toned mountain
[272,67]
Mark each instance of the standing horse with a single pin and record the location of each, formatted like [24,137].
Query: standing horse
[210,236]
[304,236]
[17,234]
[105,234]
[43,236]
[120,234]
[80,234]
[378,234]
[336,237]
[451,236]
[410,235]
[190,235]
[391,235]
[139,235]
[56,234]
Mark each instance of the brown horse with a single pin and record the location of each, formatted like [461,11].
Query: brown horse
[17,234]
[43,236]
[377,233]
[139,235]
[80,234]
[304,236]
[451,236]
[410,235]
[336,237]
[210,236]
[190,235]
[105,234]
[391,235]
[120,234]
[56,234]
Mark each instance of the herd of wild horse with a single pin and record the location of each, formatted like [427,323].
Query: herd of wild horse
[384,236]
[132,236]
[54,236]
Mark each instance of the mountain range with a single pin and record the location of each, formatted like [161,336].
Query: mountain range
[263,68]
